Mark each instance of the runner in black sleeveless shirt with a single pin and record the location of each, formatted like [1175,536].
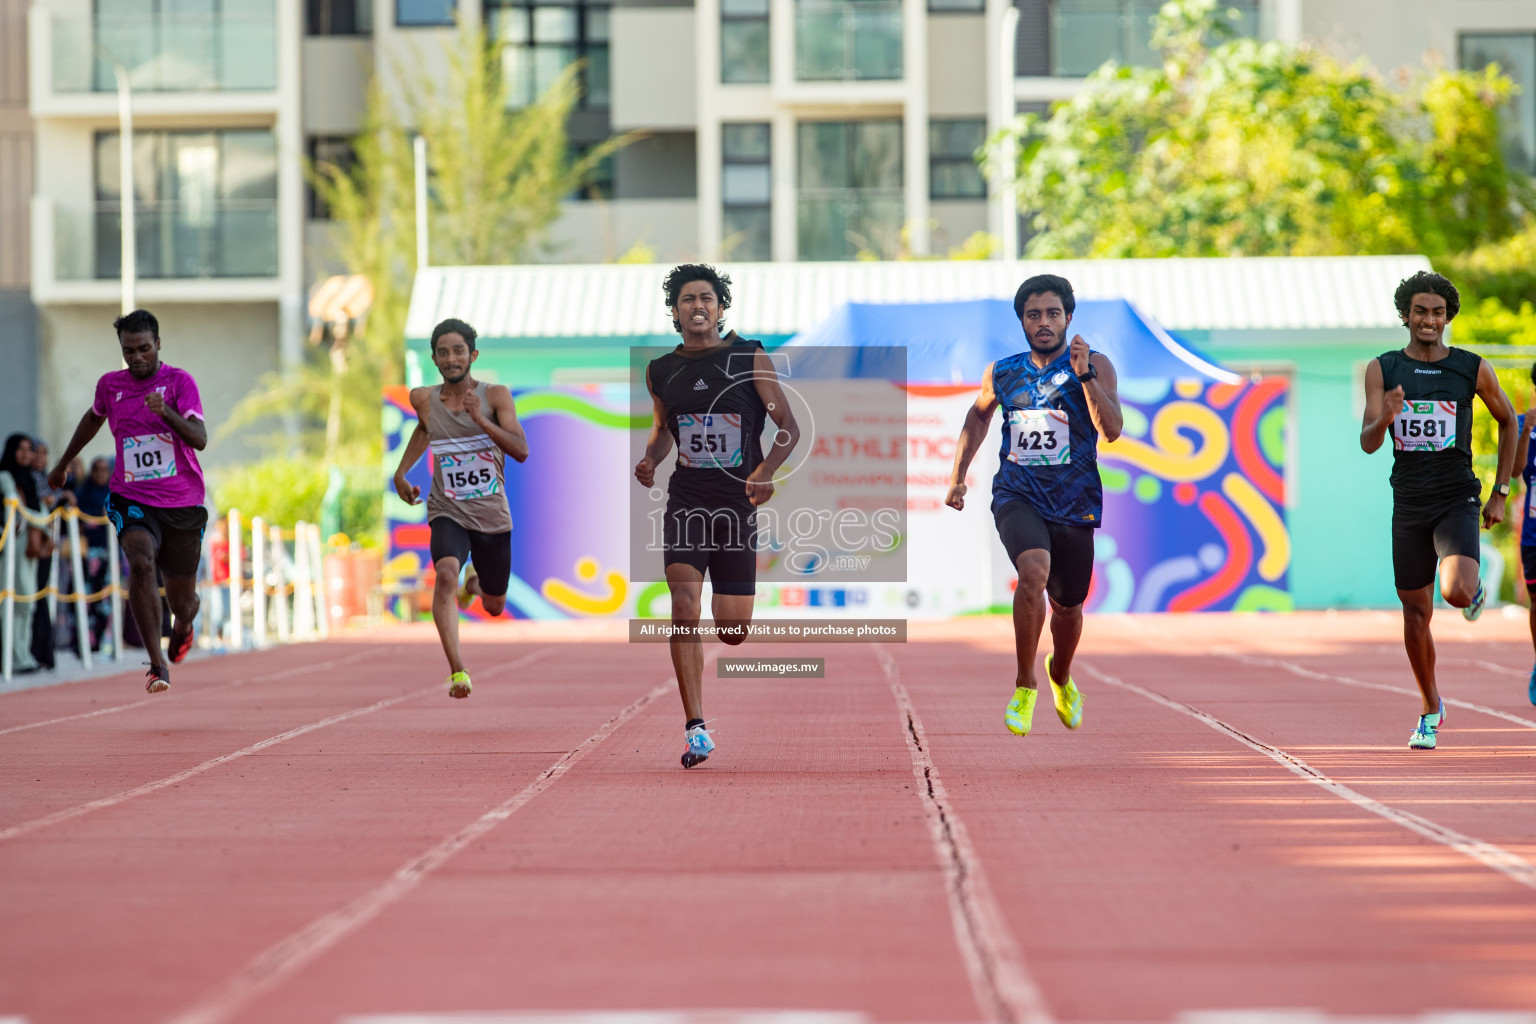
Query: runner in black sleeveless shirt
[1422,394]
[711,397]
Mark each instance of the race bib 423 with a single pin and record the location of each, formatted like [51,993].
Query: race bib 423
[1039,437]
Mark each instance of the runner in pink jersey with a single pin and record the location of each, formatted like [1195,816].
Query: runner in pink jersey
[156,500]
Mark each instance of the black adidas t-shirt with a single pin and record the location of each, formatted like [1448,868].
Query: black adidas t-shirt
[715,417]
[1432,436]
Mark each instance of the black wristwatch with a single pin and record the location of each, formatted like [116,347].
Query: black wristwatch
[1093,371]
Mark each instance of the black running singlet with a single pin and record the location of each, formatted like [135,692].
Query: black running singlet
[1432,436]
[715,417]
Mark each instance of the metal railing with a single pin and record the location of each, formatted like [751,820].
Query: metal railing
[288,595]
[848,40]
[173,239]
[166,53]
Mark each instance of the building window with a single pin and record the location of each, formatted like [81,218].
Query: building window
[849,183]
[541,40]
[744,40]
[171,46]
[848,40]
[424,13]
[957,6]
[598,184]
[339,17]
[336,151]
[952,169]
[1086,33]
[205,203]
[746,189]
[1515,54]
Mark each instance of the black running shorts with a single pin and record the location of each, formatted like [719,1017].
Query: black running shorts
[1528,563]
[716,541]
[1420,538]
[491,553]
[178,532]
[1022,528]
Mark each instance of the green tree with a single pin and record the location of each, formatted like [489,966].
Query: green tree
[498,177]
[1236,147]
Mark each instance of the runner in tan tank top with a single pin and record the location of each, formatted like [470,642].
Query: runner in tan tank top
[471,428]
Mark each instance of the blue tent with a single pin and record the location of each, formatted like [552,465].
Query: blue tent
[954,342]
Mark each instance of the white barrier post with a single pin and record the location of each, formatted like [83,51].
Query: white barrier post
[8,632]
[236,571]
[258,582]
[53,576]
[77,569]
[317,570]
[303,590]
[279,556]
[115,575]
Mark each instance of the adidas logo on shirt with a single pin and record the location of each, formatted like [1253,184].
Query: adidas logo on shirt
[701,386]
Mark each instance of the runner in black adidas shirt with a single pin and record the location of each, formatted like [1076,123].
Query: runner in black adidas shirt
[1422,394]
[711,397]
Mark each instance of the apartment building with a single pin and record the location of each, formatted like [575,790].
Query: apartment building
[774,130]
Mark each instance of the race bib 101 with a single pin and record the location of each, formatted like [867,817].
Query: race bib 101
[1425,427]
[467,476]
[149,457]
[709,440]
[1039,437]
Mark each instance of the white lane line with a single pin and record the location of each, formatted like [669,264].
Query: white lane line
[304,945]
[1002,985]
[70,813]
[1510,865]
[1307,673]
[333,663]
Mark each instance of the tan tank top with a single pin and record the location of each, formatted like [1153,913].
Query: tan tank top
[468,469]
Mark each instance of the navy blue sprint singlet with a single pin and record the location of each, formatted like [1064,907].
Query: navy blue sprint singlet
[1050,452]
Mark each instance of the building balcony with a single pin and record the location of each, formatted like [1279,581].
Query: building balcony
[223,250]
[842,224]
[174,63]
[848,41]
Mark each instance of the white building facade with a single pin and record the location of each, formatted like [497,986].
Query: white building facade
[777,130]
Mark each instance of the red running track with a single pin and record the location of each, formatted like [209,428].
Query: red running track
[317,833]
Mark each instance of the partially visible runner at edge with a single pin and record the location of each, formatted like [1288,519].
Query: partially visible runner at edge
[471,427]
[1422,393]
[710,397]
[1525,459]
[156,498]
[1047,499]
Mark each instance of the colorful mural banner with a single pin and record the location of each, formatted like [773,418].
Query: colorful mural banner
[568,502]
[1194,500]
[1194,512]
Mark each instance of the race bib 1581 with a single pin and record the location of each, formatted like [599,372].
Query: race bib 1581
[709,440]
[467,476]
[149,457]
[1039,437]
[1425,427]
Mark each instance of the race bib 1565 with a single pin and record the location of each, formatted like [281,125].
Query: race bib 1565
[467,476]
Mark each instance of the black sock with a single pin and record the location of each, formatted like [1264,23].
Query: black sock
[694,722]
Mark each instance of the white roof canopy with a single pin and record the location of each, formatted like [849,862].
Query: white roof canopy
[605,300]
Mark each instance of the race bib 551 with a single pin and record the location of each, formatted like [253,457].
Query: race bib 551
[709,440]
